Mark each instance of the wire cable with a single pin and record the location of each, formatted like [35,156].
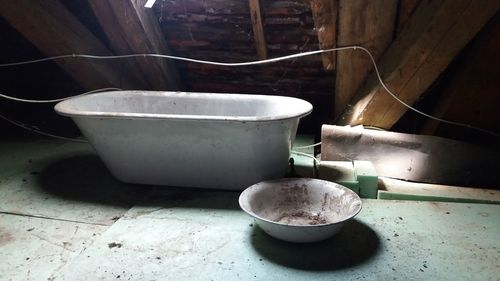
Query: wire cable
[231,64]
[316,161]
[40,132]
[307,146]
[37,131]
[236,64]
[417,110]
[57,100]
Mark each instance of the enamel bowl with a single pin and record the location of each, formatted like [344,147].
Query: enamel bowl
[300,209]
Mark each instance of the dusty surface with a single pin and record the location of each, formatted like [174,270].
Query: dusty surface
[37,248]
[172,236]
[301,218]
[302,203]
[203,235]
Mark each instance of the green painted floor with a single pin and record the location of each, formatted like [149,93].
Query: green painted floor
[63,217]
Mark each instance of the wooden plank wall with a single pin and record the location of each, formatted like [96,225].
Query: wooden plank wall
[324,13]
[222,30]
[258,29]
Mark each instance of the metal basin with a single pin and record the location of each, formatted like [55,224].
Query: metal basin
[300,210]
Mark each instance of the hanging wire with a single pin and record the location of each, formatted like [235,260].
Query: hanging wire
[236,64]
[307,146]
[58,100]
[40,132]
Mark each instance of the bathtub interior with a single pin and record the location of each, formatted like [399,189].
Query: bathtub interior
[181,104]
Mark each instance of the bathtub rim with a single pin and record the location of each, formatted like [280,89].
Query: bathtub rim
[62,109]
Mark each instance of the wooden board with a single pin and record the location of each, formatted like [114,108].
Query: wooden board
[54,30]
[434,35]
[366,23]
[258,29]
[325,23]
[405,10]
[471,94]
[131,28]
[405,190]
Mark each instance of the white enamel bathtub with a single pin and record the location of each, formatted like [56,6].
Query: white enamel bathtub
[227,141]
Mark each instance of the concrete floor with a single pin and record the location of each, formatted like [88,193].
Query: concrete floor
[63,217]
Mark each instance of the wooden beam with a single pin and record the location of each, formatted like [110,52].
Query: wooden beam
[366,23]
[324,13]
[258,29]
[405,10]
[132,28]
[471,94]
[54,30]
[434,35]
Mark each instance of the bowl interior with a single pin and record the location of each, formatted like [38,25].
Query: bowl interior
[301,202]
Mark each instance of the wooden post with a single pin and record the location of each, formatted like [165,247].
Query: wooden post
[366,23]
[434,35]
[258,29]
[325,22]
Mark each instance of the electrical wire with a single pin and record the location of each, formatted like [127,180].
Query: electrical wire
[307,146]
[231,64]
[40,132]
[57,100]
[374,128]
[316,161]
[419,111]
[37,131]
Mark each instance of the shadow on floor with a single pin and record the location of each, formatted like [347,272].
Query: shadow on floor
[196,198]
[85,178]
[356,243]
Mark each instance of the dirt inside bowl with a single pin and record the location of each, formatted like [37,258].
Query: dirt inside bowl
[301,218]
[297,207]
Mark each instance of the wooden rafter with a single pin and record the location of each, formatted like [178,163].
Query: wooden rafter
[434,35]
[406,9]
[131,28]
[366,23]
[258,29]
[324,13]
[471,94]
[55,31]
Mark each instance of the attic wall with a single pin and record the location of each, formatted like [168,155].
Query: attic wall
[222,30]
[214,30]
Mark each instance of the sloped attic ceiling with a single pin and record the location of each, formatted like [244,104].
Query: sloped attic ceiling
[413,41]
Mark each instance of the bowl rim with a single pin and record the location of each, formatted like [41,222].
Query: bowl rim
[329,183]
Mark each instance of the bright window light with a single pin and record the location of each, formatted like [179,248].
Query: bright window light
[150,3]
